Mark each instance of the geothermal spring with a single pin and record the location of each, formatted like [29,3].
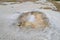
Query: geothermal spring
[10,20]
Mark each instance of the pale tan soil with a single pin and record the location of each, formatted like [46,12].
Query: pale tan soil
[26,0]
[17,0]
[57,4]
[8,0]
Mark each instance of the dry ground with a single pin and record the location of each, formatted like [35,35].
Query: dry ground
[57,4]
[8,0]
[17,0]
